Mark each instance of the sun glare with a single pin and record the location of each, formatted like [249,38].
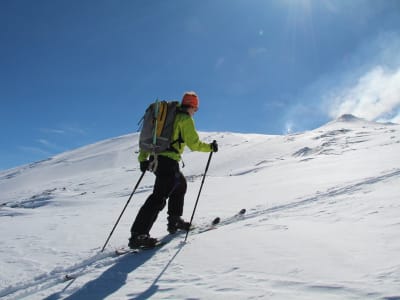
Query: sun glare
[300,23]
[304,5]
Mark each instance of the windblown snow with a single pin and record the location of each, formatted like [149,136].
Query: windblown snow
[322,220]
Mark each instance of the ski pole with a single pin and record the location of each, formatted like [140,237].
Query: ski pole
[126,205]
[198,196]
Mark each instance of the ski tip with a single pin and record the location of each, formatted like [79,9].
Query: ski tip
[216,220]
[69,277]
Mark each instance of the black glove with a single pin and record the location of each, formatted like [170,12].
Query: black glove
[144,165]
[214,146]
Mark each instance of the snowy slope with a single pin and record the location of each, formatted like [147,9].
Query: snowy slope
[322,220]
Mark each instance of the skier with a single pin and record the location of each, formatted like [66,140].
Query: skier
[170,182]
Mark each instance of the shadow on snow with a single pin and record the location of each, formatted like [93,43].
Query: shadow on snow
[116,276]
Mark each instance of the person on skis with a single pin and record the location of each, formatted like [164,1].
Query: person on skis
[169,182]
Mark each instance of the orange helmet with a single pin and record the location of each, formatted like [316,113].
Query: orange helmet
[190,99]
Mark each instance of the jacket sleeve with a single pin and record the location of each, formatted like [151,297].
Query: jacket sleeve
[191,138]
[143,156]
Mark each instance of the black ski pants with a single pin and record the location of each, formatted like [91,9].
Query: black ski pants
[170,183]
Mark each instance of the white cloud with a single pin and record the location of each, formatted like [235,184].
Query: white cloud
[376,95]
[66,129]
[74,129]
[367,84]
[53,131]
[48,144]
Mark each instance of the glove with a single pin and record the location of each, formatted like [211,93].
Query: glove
[214,146]
[144,165]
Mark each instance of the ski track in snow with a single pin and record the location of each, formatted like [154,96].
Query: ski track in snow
[101,260]
[97,261]
[336,191]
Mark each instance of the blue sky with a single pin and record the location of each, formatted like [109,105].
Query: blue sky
[76,72]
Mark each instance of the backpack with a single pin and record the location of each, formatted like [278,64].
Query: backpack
[158,127]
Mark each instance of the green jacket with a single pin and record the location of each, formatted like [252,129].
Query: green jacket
[183,125]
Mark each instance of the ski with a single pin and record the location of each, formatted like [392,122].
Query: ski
[218,222]
[125,250]
[114,255]
[233,218]
[85,266]
[69,277]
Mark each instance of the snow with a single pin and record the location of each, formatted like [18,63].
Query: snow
[322,220]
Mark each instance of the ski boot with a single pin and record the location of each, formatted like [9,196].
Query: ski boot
[177,223]
[142,241]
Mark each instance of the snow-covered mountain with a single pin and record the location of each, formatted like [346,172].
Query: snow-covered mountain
[322,220]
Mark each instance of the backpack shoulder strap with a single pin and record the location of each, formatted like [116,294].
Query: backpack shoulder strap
[179,140]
